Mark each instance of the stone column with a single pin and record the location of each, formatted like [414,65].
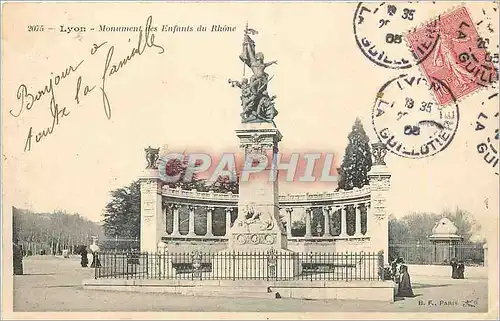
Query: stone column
[175,224]
[343,221]
[379,178]
[326,215]
[308,221]
[289,211]
[191,220]
[164,218]
[210,210]
[229,210]
[358,220]
[152,228]
[367,207]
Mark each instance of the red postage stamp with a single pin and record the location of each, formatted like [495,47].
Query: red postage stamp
[459,63]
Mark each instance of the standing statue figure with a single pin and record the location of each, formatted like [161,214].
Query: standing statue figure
[258,106]
[152,155]
[248,97]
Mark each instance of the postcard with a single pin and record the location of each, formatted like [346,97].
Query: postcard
[263,160]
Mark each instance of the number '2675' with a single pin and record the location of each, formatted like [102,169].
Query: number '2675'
[33,28]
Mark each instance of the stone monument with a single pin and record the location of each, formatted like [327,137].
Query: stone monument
[258,226]
[151,206]
[380,184]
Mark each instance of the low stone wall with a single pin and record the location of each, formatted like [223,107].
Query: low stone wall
[299,246]
[188,246]
[319,290]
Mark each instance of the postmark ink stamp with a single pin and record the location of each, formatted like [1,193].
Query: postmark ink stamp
[459,58]
[379,28]
[487,125]
[408,121]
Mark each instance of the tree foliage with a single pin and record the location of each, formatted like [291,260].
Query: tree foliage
[51,232]
[122,216]
[224,184]
[418,226]
[357,159]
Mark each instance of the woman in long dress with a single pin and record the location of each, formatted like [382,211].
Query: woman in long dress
[83,253]
[405,289]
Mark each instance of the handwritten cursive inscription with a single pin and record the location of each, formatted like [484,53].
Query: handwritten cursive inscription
[111,69]
[28,98]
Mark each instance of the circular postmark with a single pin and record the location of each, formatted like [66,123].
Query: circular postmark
[379,30]
[409,122]
[486,126]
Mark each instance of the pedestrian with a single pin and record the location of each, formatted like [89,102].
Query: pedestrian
[405,289]
[454,268]
[94,248]
[17,258]
[83,252]
[460,270]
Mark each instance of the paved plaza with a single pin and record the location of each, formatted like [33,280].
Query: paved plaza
[54,284]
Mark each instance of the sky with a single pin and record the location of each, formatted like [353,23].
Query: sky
[181,99]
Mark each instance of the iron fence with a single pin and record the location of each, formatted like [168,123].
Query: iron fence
[439,254]
[269,265]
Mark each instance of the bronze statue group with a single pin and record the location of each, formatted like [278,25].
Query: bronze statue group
[258,106]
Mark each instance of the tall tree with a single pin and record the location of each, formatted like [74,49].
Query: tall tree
[122,216]
[357,159]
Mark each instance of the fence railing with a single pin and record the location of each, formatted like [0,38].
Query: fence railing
[439,254]
[269,265]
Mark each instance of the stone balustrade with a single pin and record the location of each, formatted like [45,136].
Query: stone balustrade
[344,197]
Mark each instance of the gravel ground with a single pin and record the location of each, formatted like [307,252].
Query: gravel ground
[53,284]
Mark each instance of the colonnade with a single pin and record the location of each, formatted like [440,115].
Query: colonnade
[210,209]
[327,213]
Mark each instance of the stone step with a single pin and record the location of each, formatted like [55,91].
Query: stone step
[235,293]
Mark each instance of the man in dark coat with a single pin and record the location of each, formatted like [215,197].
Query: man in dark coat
[454,268]
[460,270]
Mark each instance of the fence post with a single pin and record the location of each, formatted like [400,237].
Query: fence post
[95,272]
[234,265]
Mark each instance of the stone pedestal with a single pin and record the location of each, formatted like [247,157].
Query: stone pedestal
[258,226]
[377,221]
[151,210]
